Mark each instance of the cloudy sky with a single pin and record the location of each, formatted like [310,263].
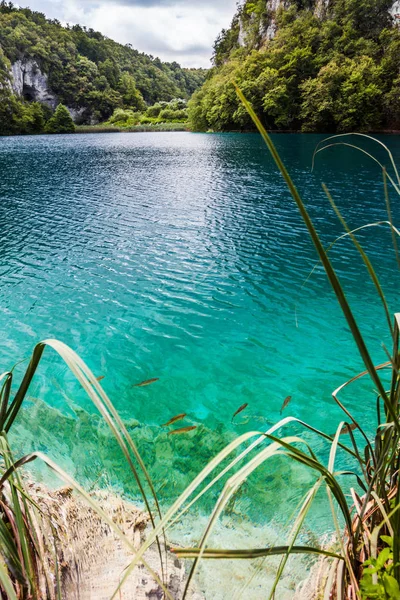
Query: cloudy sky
[181,30]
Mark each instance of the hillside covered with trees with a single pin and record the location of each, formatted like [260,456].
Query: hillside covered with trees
[87,72]
[310,65]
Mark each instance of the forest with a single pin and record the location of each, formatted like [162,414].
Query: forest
[86,71]
[310,66]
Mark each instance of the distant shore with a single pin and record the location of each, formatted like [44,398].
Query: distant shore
[163,127]
[184,127]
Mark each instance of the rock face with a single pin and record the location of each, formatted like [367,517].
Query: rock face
[29,82]
[395,11]
[76,113]
[267,26]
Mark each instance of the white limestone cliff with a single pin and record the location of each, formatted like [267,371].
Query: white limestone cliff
[29,82]
[267,29]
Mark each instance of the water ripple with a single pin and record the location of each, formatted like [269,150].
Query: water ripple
[182,257]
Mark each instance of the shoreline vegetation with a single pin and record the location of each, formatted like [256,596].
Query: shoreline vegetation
[44,64]
[185,127]
[309,66]
[306,66]
[162,127]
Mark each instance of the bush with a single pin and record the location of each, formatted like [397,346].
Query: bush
[147,120]
[123,118]
[154,111]
[178,104]
[18,117]
[173,115]
[32,118]
[60,122]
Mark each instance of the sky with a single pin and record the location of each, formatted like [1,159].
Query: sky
[175,30]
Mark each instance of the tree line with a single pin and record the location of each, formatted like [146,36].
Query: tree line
[335,69]
[86,71]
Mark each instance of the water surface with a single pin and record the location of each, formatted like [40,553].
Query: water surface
[182,257]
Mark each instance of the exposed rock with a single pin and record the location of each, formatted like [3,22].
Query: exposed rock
[79,115]
[395,10]
[76,113]
[321,7]
[93,558]
[29,82]
[267,30]
[242,34]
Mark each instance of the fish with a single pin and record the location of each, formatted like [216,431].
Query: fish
[240,409]
[177,418]
[147,382]
[100,378]
[183,430]
[285,403]
[348,428]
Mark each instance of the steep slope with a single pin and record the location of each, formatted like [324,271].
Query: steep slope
[42,61]
[314,65]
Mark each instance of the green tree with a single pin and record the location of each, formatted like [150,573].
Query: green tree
[391,105]
[345,96]
[32,118]
[60,122]
[131,97]
[86,70]
[109,68]
[331,70]
[154,111]
[170,115]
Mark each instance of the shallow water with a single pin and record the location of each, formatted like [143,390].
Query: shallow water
[182,257]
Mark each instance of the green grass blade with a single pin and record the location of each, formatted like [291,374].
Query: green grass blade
[93,504]
[365,136]
[298,524]
[332,276]
[247,554]
[93,389]
[364,257]
[392,181]
[7,583]
[4,396]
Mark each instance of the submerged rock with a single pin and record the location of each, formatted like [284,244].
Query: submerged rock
[93,559]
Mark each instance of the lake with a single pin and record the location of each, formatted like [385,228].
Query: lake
[182,257]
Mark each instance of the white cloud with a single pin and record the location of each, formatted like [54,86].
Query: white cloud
[178,30]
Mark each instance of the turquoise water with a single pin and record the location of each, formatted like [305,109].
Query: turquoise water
[182,257]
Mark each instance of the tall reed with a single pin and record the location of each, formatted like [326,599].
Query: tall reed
[367,563]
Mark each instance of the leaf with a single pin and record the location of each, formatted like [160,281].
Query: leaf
[251,553]
[391,587]
[383,558]
[388,540]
